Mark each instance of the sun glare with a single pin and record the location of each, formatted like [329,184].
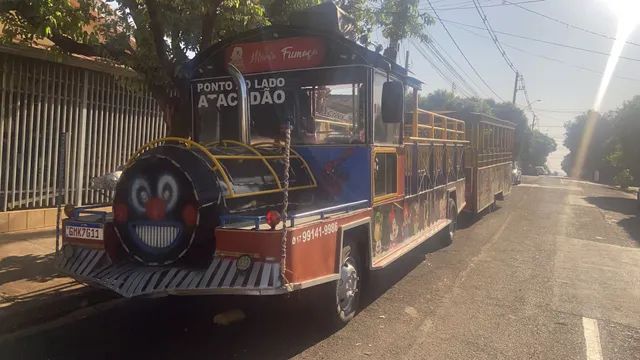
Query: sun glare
[628,14]
[626,10]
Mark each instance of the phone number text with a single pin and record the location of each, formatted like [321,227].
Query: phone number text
[314,233]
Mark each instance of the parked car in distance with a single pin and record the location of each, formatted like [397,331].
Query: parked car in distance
[516,173]
[540,170]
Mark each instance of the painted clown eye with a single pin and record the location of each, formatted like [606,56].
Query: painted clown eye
[140,193]
[168,190]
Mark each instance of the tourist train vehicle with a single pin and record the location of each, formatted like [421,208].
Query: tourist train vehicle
[309,163]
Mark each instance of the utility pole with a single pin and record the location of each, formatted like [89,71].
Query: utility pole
[406,60]
[533,123]
[453,88]
[515,87]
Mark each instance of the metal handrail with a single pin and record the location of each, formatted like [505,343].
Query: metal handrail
[256,219]
[75,213]
[322,212]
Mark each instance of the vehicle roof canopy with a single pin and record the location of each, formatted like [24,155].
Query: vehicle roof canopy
[336,50]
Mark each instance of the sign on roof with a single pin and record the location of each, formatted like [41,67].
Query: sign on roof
[283,54]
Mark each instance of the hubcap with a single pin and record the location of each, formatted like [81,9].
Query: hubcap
[347,286]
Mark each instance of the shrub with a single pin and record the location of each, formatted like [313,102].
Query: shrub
[624,178]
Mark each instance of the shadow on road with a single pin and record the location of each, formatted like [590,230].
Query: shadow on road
[625,206]
[182,327]
[38,268]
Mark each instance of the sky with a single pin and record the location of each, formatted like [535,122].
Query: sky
[563,89]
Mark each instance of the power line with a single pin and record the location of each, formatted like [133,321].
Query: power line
[462,52]
[506,58]
[437,44]
[439,71]
[566,23]
[549,58]
[494,37]
[463,7]
[434,50]
[561,111]
[542,41]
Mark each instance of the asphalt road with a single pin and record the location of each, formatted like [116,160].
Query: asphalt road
[553,273]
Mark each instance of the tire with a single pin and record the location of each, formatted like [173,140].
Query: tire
[343,297]
[452,214]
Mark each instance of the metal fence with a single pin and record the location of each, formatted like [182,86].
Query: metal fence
[106,118]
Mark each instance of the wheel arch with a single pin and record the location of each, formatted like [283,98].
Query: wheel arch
[359,233]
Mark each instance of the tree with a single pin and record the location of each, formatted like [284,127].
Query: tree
[152,37]
[156,38]
[626,131]
[601,146]
[445,100]
[540,146]
[399,20]
[531,148]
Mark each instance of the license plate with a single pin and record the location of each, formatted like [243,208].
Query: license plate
[84,231]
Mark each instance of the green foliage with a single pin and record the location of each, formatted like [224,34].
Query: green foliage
[401,19]
[531,148]
[614,146]
[157,37]
[597,152]
[538,149]
[445,100]
[624,179]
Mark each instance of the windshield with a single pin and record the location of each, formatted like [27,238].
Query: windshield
[324,106]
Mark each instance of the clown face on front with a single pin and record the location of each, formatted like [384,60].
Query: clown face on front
[156,210]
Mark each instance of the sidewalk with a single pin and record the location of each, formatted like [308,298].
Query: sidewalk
[31,289]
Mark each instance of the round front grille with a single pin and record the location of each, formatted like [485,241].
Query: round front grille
[157,236]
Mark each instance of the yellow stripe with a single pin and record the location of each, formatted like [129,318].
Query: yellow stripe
[258,155]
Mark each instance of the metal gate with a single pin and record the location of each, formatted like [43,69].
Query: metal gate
[106,118]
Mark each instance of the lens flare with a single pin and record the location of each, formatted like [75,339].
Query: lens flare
[628,13]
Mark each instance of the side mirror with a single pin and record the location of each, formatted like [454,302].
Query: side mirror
[392,102]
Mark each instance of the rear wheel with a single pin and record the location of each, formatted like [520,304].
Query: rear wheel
[452,214]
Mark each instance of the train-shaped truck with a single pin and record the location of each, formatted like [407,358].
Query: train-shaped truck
[309,163]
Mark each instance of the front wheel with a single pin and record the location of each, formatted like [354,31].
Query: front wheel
[343,299]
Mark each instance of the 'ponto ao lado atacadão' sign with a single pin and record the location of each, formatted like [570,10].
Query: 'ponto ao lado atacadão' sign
[222,93]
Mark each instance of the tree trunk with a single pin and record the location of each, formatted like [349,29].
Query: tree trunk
[392,50]
[177,112]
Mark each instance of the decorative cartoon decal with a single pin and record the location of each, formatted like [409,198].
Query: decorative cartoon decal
[342,172]
[395,223]
[415,217]
[154,211]
[394,229]
[335,175]
[406,220]
[377,233]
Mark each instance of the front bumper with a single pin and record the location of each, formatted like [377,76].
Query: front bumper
[132,279]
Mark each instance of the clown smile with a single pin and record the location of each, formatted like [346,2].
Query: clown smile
[156,236]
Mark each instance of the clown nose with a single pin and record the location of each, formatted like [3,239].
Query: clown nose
[155,208]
